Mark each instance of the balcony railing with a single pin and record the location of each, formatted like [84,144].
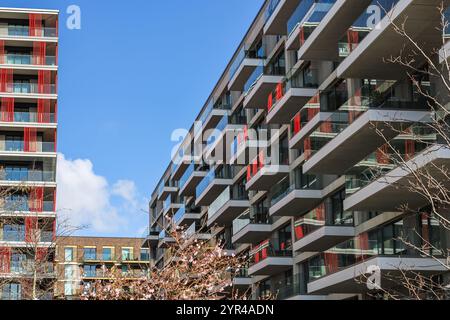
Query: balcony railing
[266,250]
[246,53]
[301,182]
[19,146]
[271,7]
[27,59]
[296,78]
[30,88]
[372,94]
[23,205]
[362,26]
[230,193]
[221,104]
[27,175]
[24,31]
[259,217]
[30,117]
[308,15]
[189,172]
[223,173]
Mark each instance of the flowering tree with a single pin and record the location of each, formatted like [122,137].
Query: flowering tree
[195,270]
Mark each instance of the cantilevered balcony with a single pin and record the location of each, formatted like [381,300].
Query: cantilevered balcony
[423,25]
[13,31]
[228,205]
[213,185]
[296,198]
[315,233]
[277,15]
[219,141]
[353,278]
[393,189]
[151,239]
[191,178]
[183,218]
[268,259]
[320,42]
[167,189]
[306,17]
[214,112]
[262,173]
[291,95]
[17,148]
[15,119]
[245,63]
[353,131]
[261,83]
[242,281]
[164,239]
[305,123]
[14,175]
[171,205]
[27,60]
[252,227]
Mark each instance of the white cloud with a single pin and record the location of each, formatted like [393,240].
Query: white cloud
[88,199]
[125,189]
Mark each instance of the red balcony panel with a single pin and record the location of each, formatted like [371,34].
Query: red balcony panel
[43,111]
[5,260]
[39,53]
[2,51]
[41,254]
[36,201]
[31,226]
[30,140]
[36,26]
[6,80]
[44,81]
[7,109]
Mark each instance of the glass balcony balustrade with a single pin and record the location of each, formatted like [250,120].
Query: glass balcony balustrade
[19,146]
[295,79]
[30,88]
[271,7]
[23,174]
[349,106]
[23,205]
[224,172]
[363,25]
[266,250]
[299,182]
[223,103]
[307,16]
[389,157]
[237,192]
[255,216]
[384,241]
[30,117]
[27,59]
[24,31]
[247,52]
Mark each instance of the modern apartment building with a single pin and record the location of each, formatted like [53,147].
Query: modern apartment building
[28,132]
[81,260]
[285,161]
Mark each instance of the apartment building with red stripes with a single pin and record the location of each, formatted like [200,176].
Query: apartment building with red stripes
[299,186]
[28,151]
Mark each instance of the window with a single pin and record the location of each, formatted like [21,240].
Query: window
[90,253]
[68,254]
[127,254]
[69,289]
[90,271]
[11,291]
[70,272]
[339,216]
[145,255]
[107,254]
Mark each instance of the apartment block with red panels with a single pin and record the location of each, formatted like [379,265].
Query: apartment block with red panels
[28,151]
[303,193]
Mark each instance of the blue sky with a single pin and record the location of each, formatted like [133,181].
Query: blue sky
[136,71]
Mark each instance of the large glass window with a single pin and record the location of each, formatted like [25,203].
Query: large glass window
[11,291]
[69,254]
[90,253]
[107,254]
[90,271]
[127,254]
